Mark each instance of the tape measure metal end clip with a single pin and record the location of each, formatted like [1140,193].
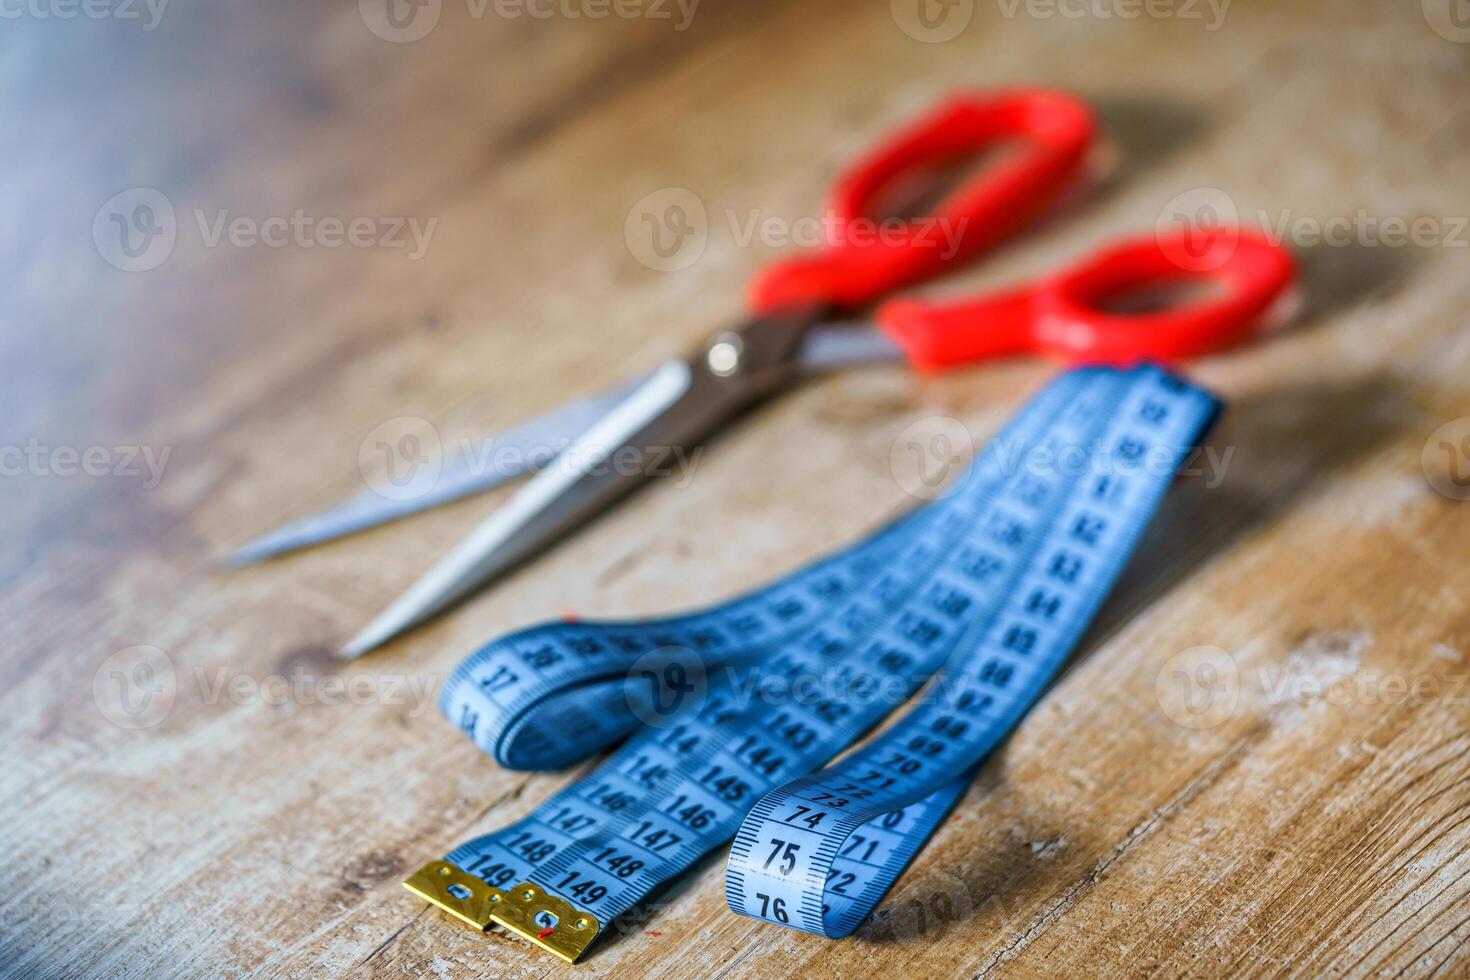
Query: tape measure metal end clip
[525,909]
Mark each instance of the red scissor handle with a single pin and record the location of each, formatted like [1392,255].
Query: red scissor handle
[865,265]
[1060,315]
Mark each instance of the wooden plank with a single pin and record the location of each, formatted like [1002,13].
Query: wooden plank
[1308,832]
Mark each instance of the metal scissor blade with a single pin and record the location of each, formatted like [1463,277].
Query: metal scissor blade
[827,347]
[680,402]
[485,464]
[555,499]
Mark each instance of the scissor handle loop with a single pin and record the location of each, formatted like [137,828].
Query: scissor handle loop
[873,256]
[1061,316]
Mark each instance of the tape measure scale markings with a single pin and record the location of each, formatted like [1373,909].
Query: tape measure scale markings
[972,602]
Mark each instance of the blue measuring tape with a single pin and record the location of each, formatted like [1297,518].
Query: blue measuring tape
[964,610]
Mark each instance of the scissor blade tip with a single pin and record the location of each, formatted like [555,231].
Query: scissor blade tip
[356,647]
[259,549]
[371,637]
[241,557]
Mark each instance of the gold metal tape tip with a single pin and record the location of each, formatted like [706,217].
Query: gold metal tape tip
[552,923]
[454,890]
[525,909]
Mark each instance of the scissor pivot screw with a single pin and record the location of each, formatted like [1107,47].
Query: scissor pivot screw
[723,357]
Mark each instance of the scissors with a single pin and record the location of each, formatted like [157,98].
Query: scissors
[802,320]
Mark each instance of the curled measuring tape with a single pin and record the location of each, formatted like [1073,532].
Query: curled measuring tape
[971,603]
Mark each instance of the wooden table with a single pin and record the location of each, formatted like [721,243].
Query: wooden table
[237,812]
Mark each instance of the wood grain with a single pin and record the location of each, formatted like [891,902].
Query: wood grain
[1305,833]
